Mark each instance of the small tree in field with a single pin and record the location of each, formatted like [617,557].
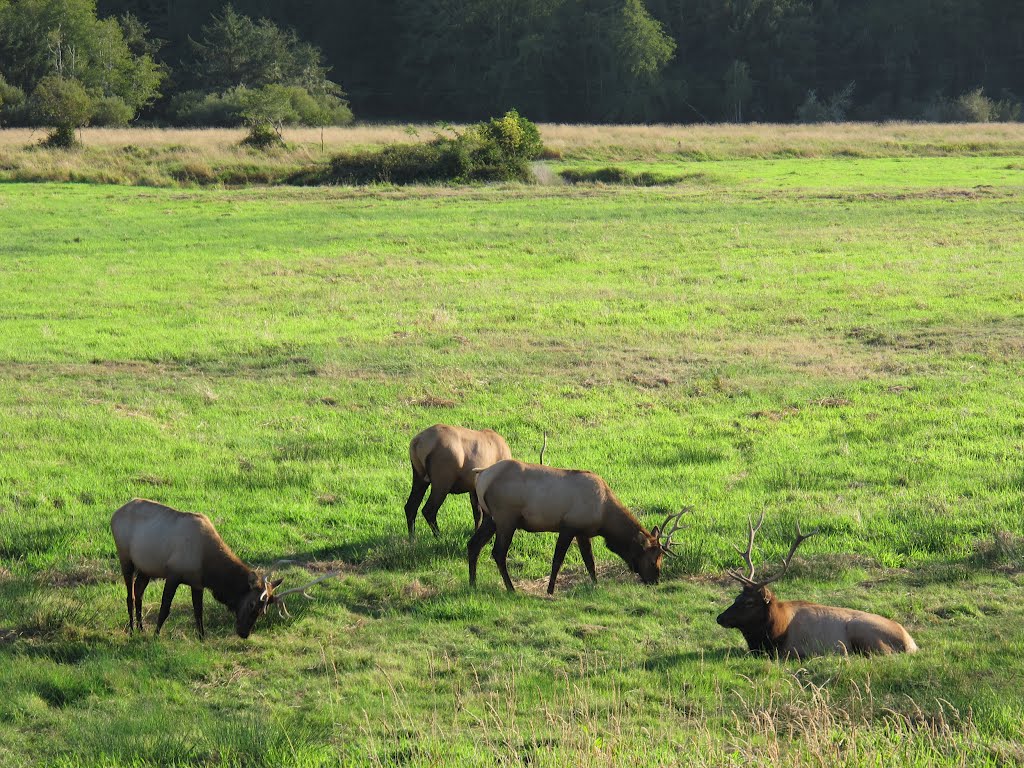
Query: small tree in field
[266,111]
[64,105]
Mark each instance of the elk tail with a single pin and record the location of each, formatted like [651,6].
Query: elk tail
[481,493]
[419,467]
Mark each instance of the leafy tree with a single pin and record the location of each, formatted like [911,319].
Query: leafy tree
[62,104]
[266,110]
[236,50]
[641,41]
[738,88]
[278,78]
[40,39]
[12,101]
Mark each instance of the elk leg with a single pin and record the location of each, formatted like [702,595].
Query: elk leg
[476,543]
[565,538]
[128,571]
[502,542]
[474,502]
[588,555]
[141,582]
[197,609]
[170,587]
[438,493]
[412,506]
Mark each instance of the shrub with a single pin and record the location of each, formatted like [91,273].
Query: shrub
[262,136]
[12,102]
[974,107]
[1007,110]
[63,104]
[208,109]
[815,110]
[497,150]
[111,111]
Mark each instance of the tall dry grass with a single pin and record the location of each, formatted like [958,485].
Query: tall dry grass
[176,156]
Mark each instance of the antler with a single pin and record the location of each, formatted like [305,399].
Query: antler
[748,580]
[302,590]
[277,597]
[543,448]
[800,539]
[665,538]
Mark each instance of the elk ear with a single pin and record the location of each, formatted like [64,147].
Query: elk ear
[277,582]
[656,532]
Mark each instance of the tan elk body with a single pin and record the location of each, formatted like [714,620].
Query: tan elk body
[155,541]
[443,458]
[798,628]
[575,504]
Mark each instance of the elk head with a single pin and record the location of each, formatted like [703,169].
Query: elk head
[750,609]
[650,548]
[262,595]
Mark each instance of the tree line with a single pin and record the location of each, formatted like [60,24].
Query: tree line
[204,62]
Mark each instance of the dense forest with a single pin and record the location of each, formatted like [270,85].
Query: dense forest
[201,61]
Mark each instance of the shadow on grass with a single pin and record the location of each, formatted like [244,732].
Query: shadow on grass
[670,660]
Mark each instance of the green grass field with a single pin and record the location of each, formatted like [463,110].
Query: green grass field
[838,342]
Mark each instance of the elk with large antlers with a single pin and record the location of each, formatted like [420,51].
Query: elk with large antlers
[572,503]
[157,542]
[443,458]
[798,628]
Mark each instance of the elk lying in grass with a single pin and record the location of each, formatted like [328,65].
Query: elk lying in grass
[798,628]
[157,542]
[572,503]
[443,458]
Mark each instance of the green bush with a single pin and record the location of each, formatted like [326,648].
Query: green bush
[497,150]
[12,103]
[974,107]
[208,109]
[64,105]
[228,109]
[817,110]
[111,111]
[262,136]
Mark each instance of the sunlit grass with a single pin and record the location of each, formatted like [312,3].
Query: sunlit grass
[836,341]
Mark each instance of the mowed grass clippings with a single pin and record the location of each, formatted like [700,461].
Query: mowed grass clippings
[839,353]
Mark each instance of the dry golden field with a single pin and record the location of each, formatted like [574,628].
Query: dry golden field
[174,156]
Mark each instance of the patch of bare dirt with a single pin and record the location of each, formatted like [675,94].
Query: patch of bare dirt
[832,402]
[154,480]
[779,415]
[576,576]
[430,401]
[84,574]
[999,340]
[415,590]
[645,381]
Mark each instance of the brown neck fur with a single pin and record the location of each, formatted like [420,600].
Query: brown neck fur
[225,575]
[768,633]
[620,531]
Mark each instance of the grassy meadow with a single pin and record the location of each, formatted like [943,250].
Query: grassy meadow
[836,340]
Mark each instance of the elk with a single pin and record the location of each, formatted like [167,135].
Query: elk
[797,628]
[157,542]
[443,458]
[575,504]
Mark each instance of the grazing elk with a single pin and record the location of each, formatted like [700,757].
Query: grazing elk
[572,503]
[798,628]
[157,542]
[443,458]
